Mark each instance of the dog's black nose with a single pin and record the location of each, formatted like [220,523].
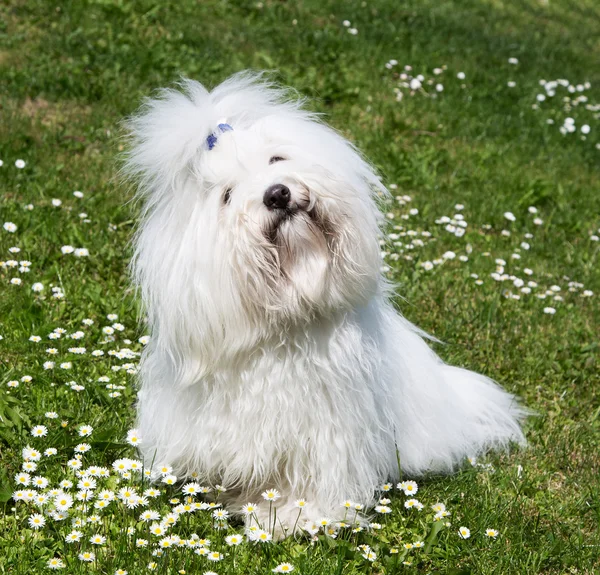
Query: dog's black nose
[277,196]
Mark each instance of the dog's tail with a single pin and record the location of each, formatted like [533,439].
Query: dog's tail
[445,414]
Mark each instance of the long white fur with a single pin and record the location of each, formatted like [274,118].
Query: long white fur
[280,363]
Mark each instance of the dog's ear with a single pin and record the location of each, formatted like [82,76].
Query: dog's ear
[166,134]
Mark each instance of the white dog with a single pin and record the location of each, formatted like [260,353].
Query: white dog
[277,359]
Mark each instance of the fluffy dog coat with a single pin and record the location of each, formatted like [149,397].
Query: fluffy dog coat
[276,358]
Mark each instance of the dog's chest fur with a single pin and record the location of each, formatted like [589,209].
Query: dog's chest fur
[313,400]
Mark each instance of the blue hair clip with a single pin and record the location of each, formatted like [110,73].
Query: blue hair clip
[211,141]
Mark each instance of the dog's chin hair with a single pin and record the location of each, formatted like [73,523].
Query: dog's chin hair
[295,267]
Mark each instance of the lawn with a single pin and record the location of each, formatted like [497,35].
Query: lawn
[483,119]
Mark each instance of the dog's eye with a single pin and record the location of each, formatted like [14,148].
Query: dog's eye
[276,159]
[226,195]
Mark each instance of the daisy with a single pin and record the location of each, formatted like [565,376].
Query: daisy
[409,487]
[106,495]
[29,495]
[22,479]
[39,431]
[384,509]
[74,464]
[491,533]
[36,521]
[56,563]
[121,465]
[40,482]
[87,484]
[165,543]
[41,499]
[97,540]
[74,537]
[220,514]
[369,555]
[133,437]
[233,539]
[63,502]
[464,532]
[150,515]
[135,501]
[126,493]
[84,495]
[262,536]
[283,568]
[191,488]
[171,519]
[157,529]
[413,503]
[214,556]
[103,472]
[87,556]
[271,495]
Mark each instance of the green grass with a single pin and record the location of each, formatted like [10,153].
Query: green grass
[72,70]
